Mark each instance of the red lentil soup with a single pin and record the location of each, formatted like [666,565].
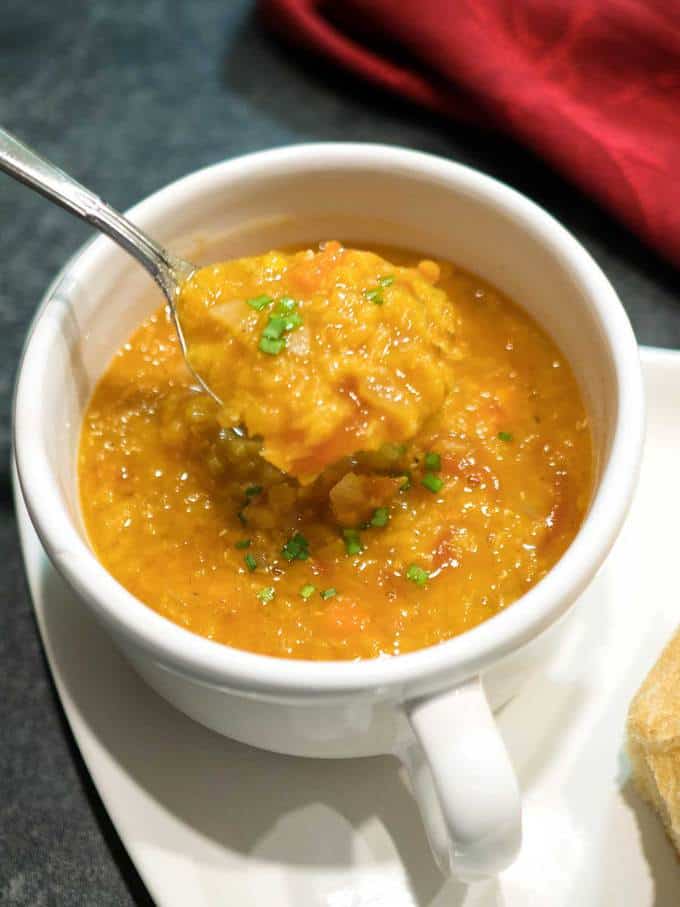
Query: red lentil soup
[462,496]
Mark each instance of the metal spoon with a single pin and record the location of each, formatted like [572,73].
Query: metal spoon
[168,270]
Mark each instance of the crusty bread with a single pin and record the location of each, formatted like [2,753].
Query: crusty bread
[654,738]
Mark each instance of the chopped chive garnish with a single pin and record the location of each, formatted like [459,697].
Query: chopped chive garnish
[329,593]
[271,347]
[417,575]
[296,548]
[244,543]
[259,302]
[253,490]
[294,320]
[275,327]
[283,320]
[505,436]
[266,594]
[405,483]
[381,517]
[251,563]
[285,310]
[307,591]
[386,281]
[433,461]
[375,295]
[352,541]
[432,482]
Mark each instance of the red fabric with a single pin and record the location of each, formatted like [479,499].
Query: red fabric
[593,86]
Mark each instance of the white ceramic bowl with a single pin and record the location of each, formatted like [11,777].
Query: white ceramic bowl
[428,707]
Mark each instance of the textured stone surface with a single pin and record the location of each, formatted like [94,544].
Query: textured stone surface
[128,96]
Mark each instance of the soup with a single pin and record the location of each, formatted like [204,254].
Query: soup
[370,554]
[321,353]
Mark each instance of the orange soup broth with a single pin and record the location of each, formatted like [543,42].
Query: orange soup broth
[192,521]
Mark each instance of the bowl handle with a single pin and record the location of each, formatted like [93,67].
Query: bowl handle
[464,783]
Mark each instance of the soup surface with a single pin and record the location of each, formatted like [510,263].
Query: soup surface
[385,551]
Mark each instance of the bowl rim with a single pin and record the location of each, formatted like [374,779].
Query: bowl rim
[423,670]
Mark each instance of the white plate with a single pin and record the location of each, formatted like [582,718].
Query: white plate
[211,822]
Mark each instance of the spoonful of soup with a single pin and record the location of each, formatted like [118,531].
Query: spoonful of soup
[321,354]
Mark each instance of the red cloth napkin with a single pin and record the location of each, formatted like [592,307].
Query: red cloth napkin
[593,86]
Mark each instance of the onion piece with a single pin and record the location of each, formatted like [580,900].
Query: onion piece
[234,314]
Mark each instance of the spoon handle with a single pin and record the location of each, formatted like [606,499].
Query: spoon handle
[25,165]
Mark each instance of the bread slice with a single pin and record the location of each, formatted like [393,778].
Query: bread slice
[654,738]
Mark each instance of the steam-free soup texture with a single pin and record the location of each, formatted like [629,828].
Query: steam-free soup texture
[385,551]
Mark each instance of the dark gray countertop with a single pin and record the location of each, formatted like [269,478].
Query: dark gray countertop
[129,96]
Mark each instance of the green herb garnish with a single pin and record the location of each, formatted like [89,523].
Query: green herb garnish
[294,320]
[253,490]
[285,309]
[283,320]
[433,461]
[432,482]
[259,302]
[386,281]
[266,594]
[417,575]
[271,347]
[296,548]
[375,295]
[380,518]
[307,591]
[251,563]
[275,327]
[329,593]
[405,483]
[244,543]
[505,436]
[352,541]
